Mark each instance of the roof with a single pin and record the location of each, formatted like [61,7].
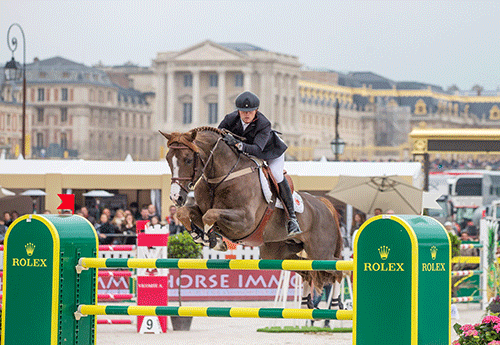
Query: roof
[241,47]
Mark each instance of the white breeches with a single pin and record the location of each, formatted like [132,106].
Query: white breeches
[277,165]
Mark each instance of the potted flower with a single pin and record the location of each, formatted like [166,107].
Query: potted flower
[494,306]
[487,332]
[182,246]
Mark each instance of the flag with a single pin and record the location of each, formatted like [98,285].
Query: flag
[67,202]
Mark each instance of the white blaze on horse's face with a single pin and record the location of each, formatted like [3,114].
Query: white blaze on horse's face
[175,188]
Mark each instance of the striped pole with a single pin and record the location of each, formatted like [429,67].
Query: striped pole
[278,313]
[296,265]
[117,296]
[465,299]
[471,245]
[113,322]
[465,273]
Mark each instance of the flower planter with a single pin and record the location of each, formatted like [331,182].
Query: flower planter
[494,307]
[181,323]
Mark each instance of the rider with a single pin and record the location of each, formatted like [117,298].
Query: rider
[262,142]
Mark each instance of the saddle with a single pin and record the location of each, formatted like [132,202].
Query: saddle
[270,190]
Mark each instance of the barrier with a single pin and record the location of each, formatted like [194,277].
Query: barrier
[401,282]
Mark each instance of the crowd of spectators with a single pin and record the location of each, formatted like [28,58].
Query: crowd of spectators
[443,164]
[113,226]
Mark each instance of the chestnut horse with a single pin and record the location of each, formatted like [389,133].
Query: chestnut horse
[229,199]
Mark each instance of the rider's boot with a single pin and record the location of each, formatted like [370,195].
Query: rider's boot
[292,225]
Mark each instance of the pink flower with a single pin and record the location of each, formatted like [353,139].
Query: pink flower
[466,327]
[471,332]
[492,319]
[494,342]
[497,329]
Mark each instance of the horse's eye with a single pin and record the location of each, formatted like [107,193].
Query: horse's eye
[188,160]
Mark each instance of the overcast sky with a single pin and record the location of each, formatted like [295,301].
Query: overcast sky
[437,42]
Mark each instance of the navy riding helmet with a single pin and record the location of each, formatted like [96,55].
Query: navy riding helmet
[247,101]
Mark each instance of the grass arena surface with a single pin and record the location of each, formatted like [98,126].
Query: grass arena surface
[231,331]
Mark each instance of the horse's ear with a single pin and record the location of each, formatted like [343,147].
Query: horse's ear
[166,135]
[192,135]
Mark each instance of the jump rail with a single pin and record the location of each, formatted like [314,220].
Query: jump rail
[277,313]
[297,265]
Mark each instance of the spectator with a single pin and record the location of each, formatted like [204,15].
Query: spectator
[128,228]
[134,208]
[377,211]
[127,212]
[7,219]
[107,212]
[85,214]
[3,231]
[152,212]
[105,228]
[449,227]
[48,212]
[358,220]
[119,218]
[174,225]
[389,211]
[14,215]
[144,214]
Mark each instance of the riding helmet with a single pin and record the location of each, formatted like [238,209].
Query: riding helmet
[247,101]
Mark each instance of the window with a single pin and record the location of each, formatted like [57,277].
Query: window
[64,94]
[187,113]
[212,112]
[65,75]
[64,141]
[214,80]
[43,74]
[41,94]
[7,121]
[238,80]
[188,80]
[64,114]
[39,139]
[40,114]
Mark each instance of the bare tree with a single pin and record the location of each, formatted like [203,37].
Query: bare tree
[478,88]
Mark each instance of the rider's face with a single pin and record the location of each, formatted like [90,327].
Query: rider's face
[248,116]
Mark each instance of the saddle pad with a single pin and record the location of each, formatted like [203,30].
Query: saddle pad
[298,203]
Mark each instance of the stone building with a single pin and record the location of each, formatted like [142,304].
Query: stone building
[77,111]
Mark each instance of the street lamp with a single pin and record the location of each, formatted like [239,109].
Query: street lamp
[337,144]
[12,72]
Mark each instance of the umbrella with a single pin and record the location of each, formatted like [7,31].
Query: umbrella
[5,192]
[367,193]
[98,194]
[34,192]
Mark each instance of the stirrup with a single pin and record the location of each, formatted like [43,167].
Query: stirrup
[293,229]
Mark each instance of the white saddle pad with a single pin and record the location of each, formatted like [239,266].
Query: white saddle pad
[298,203]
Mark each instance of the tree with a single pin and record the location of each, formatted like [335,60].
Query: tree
[478,88]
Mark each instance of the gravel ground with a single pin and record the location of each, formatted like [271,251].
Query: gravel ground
[230,331]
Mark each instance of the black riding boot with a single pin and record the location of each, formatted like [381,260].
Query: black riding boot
[292,226]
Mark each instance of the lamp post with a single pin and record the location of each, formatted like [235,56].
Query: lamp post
[337,144]
[12,72]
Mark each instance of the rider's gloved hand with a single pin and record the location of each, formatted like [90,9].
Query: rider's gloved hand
[230,140]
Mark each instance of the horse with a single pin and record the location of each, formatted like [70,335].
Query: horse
[229,201]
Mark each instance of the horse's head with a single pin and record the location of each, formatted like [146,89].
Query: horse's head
[183,160]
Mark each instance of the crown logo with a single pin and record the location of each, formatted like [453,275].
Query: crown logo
[384,252]
[30,248]
[434,251]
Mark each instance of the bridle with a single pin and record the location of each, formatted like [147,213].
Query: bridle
[190,185]
[212,182]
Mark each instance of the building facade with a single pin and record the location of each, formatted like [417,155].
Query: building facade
[75,111]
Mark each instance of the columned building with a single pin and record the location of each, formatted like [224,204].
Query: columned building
[197,86]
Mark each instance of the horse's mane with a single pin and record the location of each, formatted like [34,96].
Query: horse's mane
[209,129]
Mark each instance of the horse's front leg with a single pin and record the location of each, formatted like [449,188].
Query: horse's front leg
[238,220]
[191,218]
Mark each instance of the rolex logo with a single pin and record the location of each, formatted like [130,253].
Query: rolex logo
[30,248]
[434,251]
[384,252]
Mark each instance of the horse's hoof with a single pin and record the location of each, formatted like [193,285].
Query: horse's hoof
[221,247]
[208,228]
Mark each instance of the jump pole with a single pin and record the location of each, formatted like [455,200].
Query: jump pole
[402,283]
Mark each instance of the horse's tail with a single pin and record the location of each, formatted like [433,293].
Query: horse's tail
[338,248]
